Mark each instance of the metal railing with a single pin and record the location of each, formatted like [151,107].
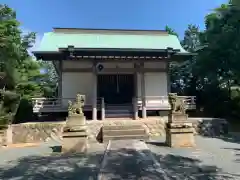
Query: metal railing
[56,104]
[156,102]
[152,103]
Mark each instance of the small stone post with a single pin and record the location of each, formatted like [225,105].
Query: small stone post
[103,109]
[9,135]
[75,133]
[135,108]
[179,131]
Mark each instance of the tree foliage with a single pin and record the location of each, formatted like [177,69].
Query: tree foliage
[20,73]
[215,70]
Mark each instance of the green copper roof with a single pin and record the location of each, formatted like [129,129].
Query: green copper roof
[51,41]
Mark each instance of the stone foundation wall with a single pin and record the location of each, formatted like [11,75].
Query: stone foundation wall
[36,132]
[45,131]
[154,127]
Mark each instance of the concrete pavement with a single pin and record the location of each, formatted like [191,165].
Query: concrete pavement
[132,159]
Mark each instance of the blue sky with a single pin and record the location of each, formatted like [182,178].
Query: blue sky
[41,15]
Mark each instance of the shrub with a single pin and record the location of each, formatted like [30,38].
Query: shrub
[9,102]
[24,112]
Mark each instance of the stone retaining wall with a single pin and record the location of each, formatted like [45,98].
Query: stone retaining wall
[210,126]
[45,131]
[36,132]
[154,127]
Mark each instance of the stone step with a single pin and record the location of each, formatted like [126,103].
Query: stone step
[75,129]
[119,111]
[119,106]
[118,115]
[124,132]
[125,137]
[122,127]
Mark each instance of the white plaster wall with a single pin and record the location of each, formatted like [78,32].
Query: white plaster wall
[77,82]
[155,64]
[155,84]
[73,83]
[77,64]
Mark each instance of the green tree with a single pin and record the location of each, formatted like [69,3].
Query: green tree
[20,74]
[171,31]
[216,68]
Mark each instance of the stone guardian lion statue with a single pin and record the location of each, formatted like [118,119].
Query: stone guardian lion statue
[177,104]
[77,107]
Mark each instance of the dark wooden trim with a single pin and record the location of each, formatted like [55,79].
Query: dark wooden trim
[167,50]
[108,70]
[119,55]
[73,52]
[168,78]
[56,65]
[46,52]
[185,54]
[126,59]
[60,80]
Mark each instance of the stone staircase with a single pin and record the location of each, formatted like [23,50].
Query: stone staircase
[119,111]
[121,132]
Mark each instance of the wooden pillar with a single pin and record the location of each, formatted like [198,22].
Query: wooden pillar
[135,98]
[60,80]
[102,108]
[143,93]
[168,77]
[94,93]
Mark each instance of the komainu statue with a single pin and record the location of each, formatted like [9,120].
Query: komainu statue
[77,107]
[177,104]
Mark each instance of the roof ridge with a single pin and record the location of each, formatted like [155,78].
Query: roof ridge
[108,31]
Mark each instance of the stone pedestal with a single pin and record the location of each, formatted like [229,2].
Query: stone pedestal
[180,136]
[179,131]
[75,134]
[177,118]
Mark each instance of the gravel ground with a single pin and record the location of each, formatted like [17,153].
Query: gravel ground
[212,159]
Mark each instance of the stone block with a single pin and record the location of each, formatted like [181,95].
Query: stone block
[75,134]
[36,132]
[74,144]
[76,120]
[177,117]
[180,137]
[75,128]
[70,134]
[180,125]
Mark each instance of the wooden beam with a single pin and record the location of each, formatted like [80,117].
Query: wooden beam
[119,59]
[106,70]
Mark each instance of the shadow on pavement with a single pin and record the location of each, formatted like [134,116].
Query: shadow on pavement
[56,149]
[162,144]
[229,138]
[121,164]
